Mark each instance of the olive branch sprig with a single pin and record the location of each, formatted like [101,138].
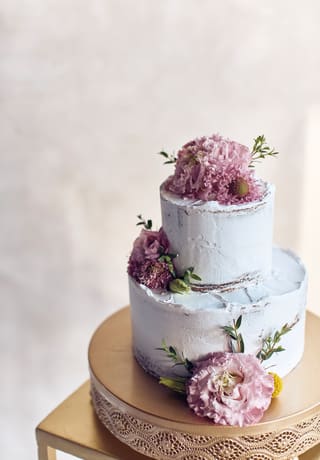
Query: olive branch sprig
[146,223]
[234,334]
[261,150]
[175,356]
[270,344]
[170,157]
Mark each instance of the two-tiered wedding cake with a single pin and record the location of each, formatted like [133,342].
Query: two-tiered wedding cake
[210,280]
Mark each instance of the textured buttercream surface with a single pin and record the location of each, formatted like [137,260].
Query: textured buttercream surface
[193,323]
[224,244]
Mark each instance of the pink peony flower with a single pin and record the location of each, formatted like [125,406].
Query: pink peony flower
[230,389]
[206,168]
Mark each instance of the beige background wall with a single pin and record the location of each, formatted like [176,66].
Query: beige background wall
[90,91]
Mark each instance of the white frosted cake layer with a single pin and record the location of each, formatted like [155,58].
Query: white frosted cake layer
[193,323]
[226,244]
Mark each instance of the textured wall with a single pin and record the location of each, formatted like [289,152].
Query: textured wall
[90,91]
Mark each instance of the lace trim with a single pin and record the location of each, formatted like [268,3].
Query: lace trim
[164,444]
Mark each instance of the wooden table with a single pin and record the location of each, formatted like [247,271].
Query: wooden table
[74,428]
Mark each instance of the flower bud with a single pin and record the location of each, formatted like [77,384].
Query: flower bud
[179,286]
[239,187]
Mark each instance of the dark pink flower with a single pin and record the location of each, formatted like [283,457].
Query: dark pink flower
[154,274]
[149,245]
[207,166]
[230,389]
[144,264]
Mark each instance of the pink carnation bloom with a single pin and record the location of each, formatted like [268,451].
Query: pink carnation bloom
[144,265]
[154,274]
[207,166]
[230,389]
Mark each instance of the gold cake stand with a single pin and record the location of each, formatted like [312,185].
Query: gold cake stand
[156,422]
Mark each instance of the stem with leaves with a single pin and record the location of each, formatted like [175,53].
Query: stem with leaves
[177,384]
[261,150]
[170,158]
[146,223]
[235,336]
[270,344]
[175,356]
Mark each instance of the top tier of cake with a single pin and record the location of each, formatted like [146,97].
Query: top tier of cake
[227,245]
[217,216]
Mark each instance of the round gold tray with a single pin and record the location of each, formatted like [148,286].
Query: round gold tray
[158,423]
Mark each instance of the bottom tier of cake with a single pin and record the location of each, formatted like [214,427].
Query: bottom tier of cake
[158,423]
[268,316]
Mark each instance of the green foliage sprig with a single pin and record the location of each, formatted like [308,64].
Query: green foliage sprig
[170,158]
[182,285]
[190,275]
[177,384]
[168,259]
[235,336]
[175,356]
[270,344]
[146,223]
[261,150]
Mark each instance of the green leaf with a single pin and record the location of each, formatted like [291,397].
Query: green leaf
[238,322]
[189,365]
[241,343]
[279,349]
[230,332]
[170,159]
[176,384]
[172,350]
[164,154]
[147,224]
[164,258]
[188,275]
